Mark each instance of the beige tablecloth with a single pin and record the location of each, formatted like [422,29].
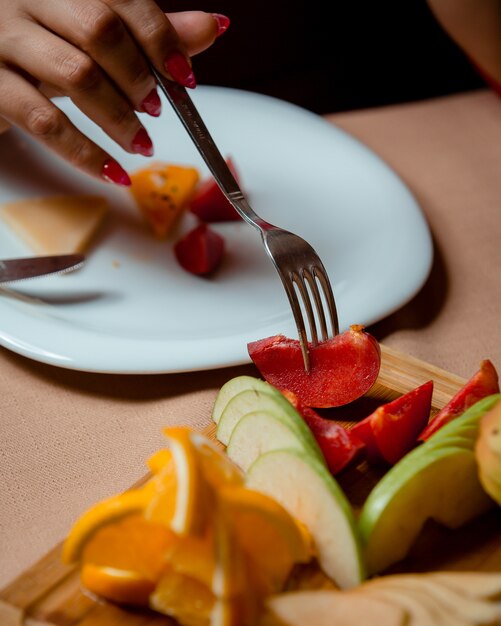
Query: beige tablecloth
[68,438]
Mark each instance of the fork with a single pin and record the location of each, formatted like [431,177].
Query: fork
[297,263]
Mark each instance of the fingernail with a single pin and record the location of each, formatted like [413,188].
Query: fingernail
[151,104]
[113,172]
[142,144]
[222,22]
[180,70]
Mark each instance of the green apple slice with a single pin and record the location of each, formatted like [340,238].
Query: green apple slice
[437,480]
[470,419]
[457,441]
[257,400]
[235,386]
[438,483]
[263,431]
[305,488]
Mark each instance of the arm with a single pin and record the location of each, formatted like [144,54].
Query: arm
[475,25]
[94,52]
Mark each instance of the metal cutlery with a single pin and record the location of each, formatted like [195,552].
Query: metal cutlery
[32,267]
[302,272]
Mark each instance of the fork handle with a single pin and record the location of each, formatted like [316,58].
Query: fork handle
[187,112]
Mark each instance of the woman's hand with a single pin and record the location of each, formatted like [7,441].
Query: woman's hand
[94,52]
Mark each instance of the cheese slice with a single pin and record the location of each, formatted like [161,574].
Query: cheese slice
[57,225]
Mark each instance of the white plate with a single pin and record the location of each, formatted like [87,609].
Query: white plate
[132,309]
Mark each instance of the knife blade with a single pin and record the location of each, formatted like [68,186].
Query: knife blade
[32,267]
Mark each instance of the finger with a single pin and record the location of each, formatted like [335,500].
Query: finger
[157,37]
[74,73]
[22,105]
[85,23]
[198,30]
[4,125]
[104,37]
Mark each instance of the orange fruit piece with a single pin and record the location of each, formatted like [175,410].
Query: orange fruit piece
[193,557]
[100,515]
[123,560]
[159,460]
[268,536]
[187,600]
[236,601]
[218,469]
[132,544]
[121,586]
[181,497]
[162,191]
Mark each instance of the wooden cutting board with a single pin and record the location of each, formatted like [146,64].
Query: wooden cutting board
[49,594]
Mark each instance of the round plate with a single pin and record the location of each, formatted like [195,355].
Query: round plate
[133,309]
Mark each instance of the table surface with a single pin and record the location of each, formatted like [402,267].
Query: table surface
[71,438]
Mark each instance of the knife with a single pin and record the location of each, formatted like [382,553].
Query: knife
[31,267]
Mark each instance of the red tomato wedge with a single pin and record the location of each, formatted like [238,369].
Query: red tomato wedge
[393,429]
[338,445]
[209,203]
[365,433]
[482,384]
[342,368]
[200,251]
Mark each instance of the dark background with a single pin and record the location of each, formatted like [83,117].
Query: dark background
[340,56]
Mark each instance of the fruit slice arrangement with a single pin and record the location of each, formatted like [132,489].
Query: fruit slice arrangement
[343,370]
[268,443]
[266,436]
[437,480]
[243,537]
[193,543]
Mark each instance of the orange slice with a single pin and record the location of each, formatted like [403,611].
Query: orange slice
[270,538]
[217,467]
[183,598]
[159,460]
[102,514]
[123,560]
[193,557]
[131,544]
[121,586]
[180,500]
[236,602]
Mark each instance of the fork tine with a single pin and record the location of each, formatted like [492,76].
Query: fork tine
[321,274]
[312,283]
[298,317]
[299,282]
[282,246]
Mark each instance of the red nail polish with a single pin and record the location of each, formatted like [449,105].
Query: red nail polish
[222,22]
[180,70]
[141,144]
[113,172]
[151,104]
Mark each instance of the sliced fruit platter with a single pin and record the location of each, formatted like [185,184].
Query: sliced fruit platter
[367,491]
